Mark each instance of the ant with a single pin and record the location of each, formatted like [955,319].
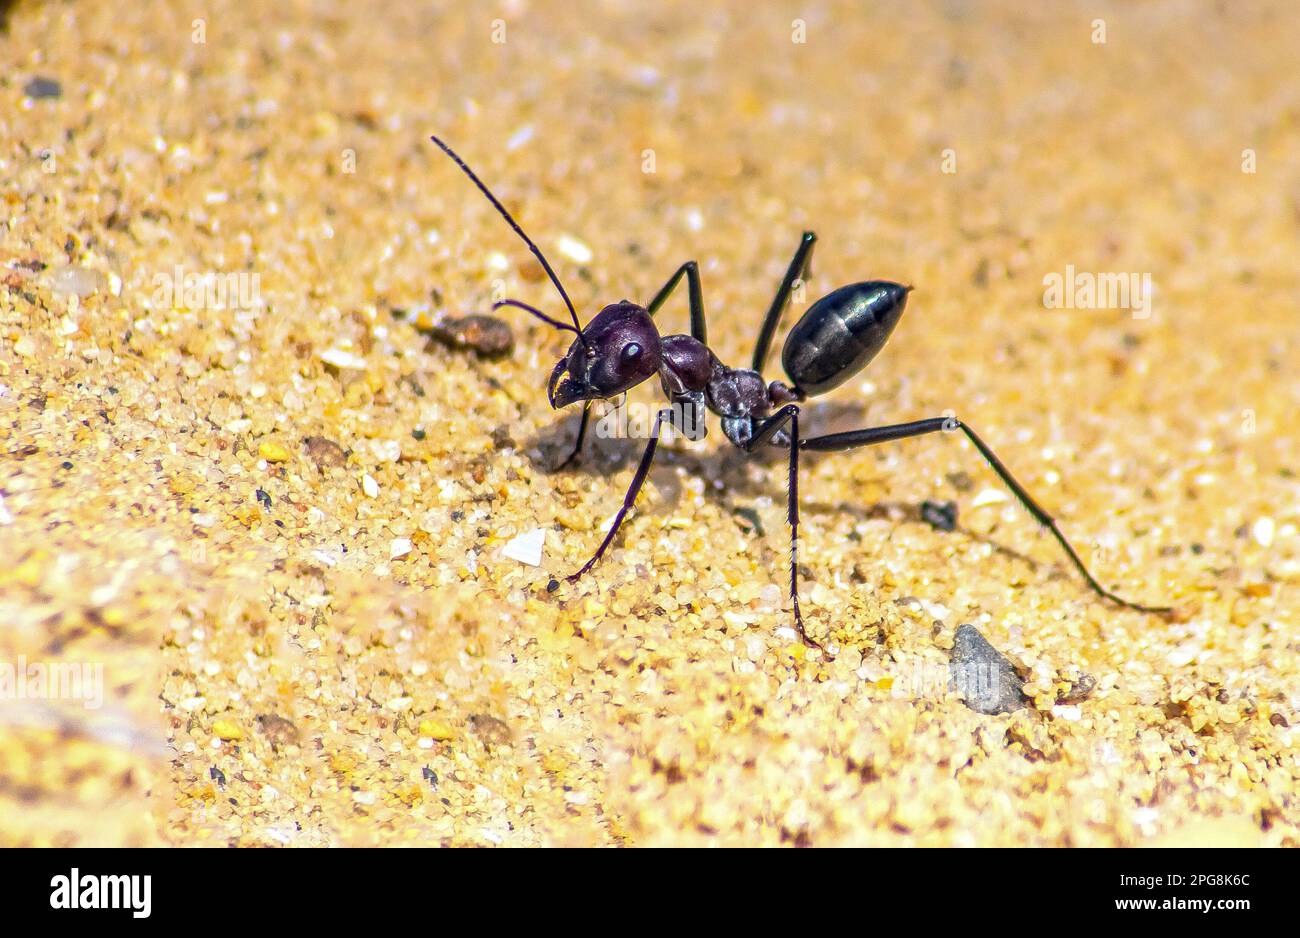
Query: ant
[834,339]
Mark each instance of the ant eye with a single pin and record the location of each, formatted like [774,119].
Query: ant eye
[631,352]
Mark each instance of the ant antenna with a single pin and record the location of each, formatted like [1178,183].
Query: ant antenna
[562,326]
[577,326]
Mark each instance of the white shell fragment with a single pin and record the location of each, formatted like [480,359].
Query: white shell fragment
[342,358]
[575,250]
[1263,532]
[527,547]
[989,497]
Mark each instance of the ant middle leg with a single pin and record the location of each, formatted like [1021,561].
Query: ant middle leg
[667,415]
[695,296]
[873,435]
[800,266]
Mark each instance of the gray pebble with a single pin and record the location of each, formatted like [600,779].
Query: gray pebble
[985,679]
[942,516]
[42,87]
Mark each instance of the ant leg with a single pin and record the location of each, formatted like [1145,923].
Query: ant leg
[800,264]
[582,435]
[765,431]
[872,435]
[694,293]
[629,499]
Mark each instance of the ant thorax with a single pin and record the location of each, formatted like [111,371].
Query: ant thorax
[686,367]
[689,367]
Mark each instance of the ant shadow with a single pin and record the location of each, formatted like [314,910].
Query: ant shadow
[603,454]
[726,472]
[906,513]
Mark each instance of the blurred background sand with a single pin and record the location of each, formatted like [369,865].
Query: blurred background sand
[276,521]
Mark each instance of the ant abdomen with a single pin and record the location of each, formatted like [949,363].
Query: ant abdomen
[841,333]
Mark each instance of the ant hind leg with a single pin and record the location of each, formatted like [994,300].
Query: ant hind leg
[763,433]
[873,435]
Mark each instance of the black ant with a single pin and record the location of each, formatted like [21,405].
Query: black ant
[834,339]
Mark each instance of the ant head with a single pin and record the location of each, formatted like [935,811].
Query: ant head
[618,350]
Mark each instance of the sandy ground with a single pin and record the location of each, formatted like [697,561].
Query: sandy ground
[272,522]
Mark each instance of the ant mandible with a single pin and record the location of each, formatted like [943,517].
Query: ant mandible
[834,339]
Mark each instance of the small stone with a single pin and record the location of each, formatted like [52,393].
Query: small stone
[1263,531]
[228,730]
[277,730]
[961,481]
[324,452]
[39,87]
[490,729]
[77,281]
[527,547]
[369,486]
[486,336]
[386,450]
[436,729]
[985,679]
[1079,690]
[942,516]
[400,547]
[272,452]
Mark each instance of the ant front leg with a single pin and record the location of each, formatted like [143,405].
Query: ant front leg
[694,293]
[766,429]
[872,435]
[800,266]
[667,415]
[582,435]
